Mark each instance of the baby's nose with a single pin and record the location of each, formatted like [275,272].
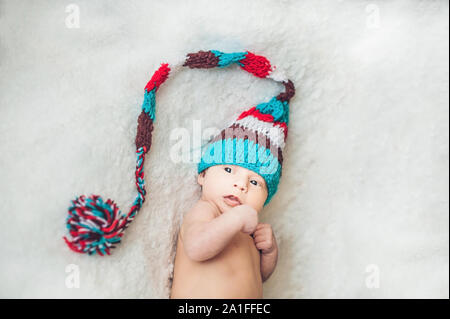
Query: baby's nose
[240,185]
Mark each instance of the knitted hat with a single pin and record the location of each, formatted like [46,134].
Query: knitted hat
[255,140]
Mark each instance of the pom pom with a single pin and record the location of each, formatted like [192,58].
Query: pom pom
[95,226]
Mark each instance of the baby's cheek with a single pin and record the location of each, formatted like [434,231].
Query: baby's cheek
[205,192]
[253,203]
[259,201]
[209,191]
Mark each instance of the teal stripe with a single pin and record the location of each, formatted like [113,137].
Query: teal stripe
[225,59]
[279,110]
[148,106]
[246,154]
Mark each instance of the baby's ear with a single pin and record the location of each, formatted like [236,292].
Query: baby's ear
[201,178]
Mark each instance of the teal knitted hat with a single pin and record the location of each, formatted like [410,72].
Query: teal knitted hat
[256,139]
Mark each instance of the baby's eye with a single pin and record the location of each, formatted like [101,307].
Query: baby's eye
[255,182]
[227,169]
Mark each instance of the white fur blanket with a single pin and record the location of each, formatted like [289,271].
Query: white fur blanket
[362,207]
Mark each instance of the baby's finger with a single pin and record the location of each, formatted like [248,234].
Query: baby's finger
[263,245]
[262,225]
[266,231]
[258,229]
[259,232]
[261,238]
[257,239]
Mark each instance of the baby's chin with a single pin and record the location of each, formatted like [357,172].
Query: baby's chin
[223,207]
[220,206]
[219,203]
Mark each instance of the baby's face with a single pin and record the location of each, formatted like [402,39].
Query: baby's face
[219,181]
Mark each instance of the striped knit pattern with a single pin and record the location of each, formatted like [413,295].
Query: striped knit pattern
[257,138]
[255,141]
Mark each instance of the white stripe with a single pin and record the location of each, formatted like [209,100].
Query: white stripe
[277,74]
[177,64]
[91,223]
[274,133]
[90,213]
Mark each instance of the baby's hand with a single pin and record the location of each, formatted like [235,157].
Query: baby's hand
[264,239]
[249,217]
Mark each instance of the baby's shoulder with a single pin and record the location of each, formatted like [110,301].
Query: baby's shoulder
[198,213]
[201,211]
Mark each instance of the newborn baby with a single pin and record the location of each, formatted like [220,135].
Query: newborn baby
[222,250]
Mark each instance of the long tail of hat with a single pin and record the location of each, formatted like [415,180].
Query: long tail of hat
[95,225]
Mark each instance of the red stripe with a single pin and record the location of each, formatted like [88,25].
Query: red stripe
[110,228]
[256,64]
[158,77]
[71,246]
[254,112]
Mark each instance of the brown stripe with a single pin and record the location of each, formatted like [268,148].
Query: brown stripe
[288,93]
[238,131]
[144,131]
[201,60]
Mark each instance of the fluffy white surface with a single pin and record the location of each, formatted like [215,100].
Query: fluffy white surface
[365,177]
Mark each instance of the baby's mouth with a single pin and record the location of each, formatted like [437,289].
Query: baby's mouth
[232,200]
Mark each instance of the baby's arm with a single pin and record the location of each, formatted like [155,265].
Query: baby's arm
[265,241]
[268,263]
[204,235]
